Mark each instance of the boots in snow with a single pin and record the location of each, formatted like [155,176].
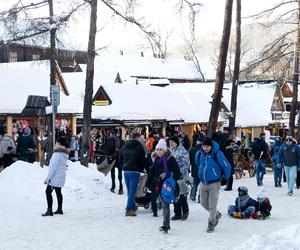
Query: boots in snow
[210,228]
[58,211]
[164,229]
[120,192]
[48,212]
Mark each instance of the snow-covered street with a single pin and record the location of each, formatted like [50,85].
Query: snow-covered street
[94,217]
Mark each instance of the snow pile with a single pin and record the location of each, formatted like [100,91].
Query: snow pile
[286,239]
[94,217]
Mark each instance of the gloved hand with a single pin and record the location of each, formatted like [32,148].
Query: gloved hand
[162,176]
[46,181]
[145,190]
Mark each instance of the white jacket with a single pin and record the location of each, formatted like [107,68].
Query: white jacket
[57,167]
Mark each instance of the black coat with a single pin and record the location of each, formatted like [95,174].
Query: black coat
[260,149]
[192,154]
[154,183]
[229,157]
[132,156]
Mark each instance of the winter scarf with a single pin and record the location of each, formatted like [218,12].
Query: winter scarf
[242,202]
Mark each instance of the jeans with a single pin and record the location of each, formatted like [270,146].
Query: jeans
[166,213]
[131,180]
[245,214]
[291,173]
[194,188]
[277,174]
[260,166]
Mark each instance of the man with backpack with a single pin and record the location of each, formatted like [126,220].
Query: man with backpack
[212,166]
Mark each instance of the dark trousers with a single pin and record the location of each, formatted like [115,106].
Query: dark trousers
[229,182]
[7,160]
[298,179]
[59,196]
[154,197]
[113,178]
[181,207]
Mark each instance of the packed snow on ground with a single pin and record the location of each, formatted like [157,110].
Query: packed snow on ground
[94,217]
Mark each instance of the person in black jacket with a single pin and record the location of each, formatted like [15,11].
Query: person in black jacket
[132,161]
[26,146]
[111,148]
[164,165]
[229,157]
[260,151]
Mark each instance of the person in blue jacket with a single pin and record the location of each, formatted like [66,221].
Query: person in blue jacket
[277,167]
[212,166]
[289,156]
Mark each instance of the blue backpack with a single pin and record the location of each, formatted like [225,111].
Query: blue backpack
[168,190]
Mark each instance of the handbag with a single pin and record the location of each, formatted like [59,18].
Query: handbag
[105,167]
[141,184]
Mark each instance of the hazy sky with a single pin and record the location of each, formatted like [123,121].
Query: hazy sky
[160,14]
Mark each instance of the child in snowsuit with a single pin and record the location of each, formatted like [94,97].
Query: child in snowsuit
[263,206]
[244,205]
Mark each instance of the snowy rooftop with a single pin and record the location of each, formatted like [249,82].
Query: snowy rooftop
[22,79]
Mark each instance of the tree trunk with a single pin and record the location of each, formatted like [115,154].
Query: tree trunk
[87,109]
[216,103]
[236,71]
[294,107]
[52,68]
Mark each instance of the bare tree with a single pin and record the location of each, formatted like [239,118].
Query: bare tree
[220,76]
[235,80]
[87,109]
[276,57]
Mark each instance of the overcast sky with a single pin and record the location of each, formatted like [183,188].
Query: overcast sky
[160,14]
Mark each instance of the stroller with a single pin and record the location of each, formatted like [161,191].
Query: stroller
[144,201]
[142,198]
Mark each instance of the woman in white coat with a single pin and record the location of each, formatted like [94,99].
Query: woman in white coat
[56,176]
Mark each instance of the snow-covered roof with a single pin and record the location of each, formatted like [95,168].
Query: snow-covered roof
[21,79]
[130,66]
[254,103]
[149,102]
[254,100]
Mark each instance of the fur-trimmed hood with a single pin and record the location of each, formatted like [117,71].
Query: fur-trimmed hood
[61,149]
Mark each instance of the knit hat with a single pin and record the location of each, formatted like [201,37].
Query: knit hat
[175,139]
[26,131]
[162,144]
[261,193]
[208,142]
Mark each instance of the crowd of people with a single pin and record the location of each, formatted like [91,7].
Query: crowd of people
[175,169]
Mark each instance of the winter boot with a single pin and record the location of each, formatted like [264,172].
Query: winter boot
[48,212]
[219,216]
[175,217]
[120,192]
[210,228]
[112,190]
[154,214]
[58,211]
[185,216]
[164,229]
[131,213]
